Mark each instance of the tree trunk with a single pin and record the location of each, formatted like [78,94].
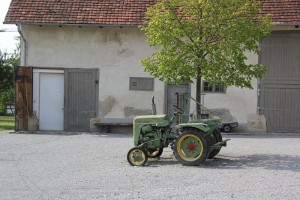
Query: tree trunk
[198,91]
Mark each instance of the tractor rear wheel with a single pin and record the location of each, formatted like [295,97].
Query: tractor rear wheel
[191,147]
[155,153]
[218,138]
[137,156]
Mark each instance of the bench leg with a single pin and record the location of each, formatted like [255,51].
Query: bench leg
[105,129]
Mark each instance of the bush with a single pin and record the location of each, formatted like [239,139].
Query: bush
[8,61]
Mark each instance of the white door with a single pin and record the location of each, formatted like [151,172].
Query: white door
[51,114]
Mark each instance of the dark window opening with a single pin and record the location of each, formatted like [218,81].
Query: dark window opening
[213,87]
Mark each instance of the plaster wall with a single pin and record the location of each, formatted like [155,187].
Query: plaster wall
[241,102]
[117,53]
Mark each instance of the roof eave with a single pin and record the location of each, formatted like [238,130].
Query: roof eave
[69,24]
[117,25]
[286,24]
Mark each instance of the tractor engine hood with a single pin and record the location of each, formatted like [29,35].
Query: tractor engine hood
[158,120]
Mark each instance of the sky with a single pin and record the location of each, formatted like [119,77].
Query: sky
[7,39]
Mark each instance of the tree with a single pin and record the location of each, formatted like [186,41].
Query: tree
[7,63]
[205,39]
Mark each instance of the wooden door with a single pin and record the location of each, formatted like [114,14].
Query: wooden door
[279,96]
[23,97]
[81,98]
[172,98]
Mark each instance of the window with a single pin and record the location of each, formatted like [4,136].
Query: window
[213,88]
[138,83]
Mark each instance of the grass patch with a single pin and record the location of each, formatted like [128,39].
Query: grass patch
[7,123]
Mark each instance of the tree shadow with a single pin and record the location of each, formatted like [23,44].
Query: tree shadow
[267,161]
[156,162]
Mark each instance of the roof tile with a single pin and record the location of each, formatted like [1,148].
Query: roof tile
[117,12]
[283,11]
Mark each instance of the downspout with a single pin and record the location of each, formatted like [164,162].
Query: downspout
[24,63]
[25,46]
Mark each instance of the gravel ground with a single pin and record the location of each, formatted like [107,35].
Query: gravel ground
[86,166]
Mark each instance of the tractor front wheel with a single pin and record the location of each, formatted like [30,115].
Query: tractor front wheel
[137,156]
[191,147]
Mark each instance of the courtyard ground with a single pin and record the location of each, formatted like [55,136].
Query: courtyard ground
[88,166]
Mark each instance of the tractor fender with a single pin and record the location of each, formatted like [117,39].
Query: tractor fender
[200,126]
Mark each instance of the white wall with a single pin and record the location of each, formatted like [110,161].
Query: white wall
[240,102]
[117,53]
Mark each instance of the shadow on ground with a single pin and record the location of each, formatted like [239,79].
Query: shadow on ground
[265,161]
[156,162]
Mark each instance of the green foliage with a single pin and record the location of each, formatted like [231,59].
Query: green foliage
[205,38]
[7,63]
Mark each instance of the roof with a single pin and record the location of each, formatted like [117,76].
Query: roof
[283,11]
[97,12]
[116,12]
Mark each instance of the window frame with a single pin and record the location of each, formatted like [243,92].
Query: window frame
[212,88]
[141,84]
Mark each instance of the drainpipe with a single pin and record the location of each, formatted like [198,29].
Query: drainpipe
[25,45]
[24,64]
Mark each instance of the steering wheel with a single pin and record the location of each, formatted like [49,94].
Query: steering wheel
[177,109]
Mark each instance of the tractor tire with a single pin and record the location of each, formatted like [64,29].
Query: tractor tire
[191,147]
[218,138]
[155,153]
[137,156]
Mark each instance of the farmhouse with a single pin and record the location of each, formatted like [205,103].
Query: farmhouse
[81,66]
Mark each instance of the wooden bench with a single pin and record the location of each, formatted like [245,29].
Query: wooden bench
[106,124]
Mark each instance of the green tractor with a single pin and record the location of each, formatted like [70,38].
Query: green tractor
[192,143]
